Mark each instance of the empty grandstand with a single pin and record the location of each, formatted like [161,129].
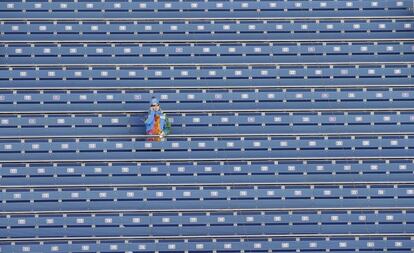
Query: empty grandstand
[292,126]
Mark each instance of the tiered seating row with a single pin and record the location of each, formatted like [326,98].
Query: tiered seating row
[202,172]
[198,9]
[211,76]
[206,197]
[238,147]
[208,123]
[206,99]
[205,223]
[252,52]
[363,244]
[227,29]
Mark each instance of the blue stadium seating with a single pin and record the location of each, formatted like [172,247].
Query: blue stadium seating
[187,172]
[179,53]
[206,197]
[292,126]
[219,123]
[207,147]
[201,223]
[209,99]
[193,76]
[364,244]
[197,9]
[269,29]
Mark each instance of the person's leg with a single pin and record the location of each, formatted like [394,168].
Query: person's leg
[150,133]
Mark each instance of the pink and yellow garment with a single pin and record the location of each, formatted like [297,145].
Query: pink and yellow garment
[156,124]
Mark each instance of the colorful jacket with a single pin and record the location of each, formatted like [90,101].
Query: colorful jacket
[153,127]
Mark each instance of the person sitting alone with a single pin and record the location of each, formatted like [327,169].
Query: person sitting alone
[157,122]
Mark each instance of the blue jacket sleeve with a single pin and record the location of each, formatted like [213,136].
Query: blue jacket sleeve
[149,121]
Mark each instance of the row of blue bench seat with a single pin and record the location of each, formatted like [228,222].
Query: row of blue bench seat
[266,29]
[206,99]
[202,223]
[208,123]
[92,53]
[202,9]
[206,147]
[271,171]
[211,76]
[81,198]
[210,244]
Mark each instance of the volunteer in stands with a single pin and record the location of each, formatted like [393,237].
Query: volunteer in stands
[157,122]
